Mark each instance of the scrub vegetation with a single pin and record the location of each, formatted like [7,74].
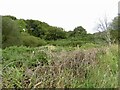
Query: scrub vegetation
[37,55]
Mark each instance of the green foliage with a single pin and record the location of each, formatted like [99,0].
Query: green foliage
[29,40]
[41,67]
[100,38]
[22,25]
[115,29]
[16,60]
[35,28]
[90,45]
[78,31]
[18,56]
[44,31]
[10,32]
[11,17]
[105,73]
[66,42]
[114,36]
[72,59]
[115,24]
[55,34]
[40,32]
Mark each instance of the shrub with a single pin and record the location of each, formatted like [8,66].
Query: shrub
[41,67]
[66,42]
[32,41]
[10,32]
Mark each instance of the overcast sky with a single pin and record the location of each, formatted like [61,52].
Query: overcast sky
[67,14]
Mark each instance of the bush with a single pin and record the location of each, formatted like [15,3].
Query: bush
[66,42]
[32,41]
[10,32]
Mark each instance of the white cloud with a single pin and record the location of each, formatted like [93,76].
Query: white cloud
[63,13]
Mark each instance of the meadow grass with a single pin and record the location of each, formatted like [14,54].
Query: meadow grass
[60,67]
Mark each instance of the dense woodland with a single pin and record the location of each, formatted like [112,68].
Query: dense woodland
[36,33]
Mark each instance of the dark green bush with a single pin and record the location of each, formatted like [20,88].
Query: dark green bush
[10,32]
[32,41]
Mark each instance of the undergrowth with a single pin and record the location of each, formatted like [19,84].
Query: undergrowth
[60,67]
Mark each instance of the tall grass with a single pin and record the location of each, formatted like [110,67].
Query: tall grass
[58,67]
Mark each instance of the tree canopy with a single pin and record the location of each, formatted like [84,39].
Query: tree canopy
[36,33]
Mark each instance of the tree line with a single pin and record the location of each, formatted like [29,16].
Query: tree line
[36,33]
